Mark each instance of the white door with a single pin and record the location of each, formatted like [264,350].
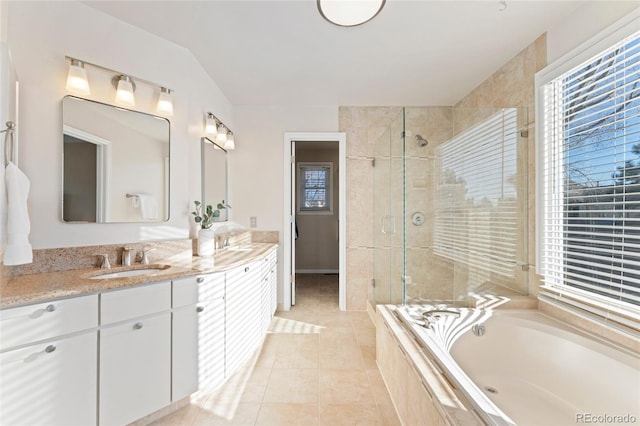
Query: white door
[294,229]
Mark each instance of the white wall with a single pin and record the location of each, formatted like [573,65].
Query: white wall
[39,35]
[584,24]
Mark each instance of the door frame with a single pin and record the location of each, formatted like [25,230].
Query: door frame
[289,249]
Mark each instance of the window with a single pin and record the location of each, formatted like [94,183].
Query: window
[589,233]
[315,187]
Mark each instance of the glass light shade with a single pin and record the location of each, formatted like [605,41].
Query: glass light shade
[124,92]
[349,13]
[230,143]
[165,103]
[222,134]
[77,81]
[210,127]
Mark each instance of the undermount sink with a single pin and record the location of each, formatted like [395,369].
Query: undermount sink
[130,273]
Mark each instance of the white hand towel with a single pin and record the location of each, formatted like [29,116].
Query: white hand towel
[148,207]
[18,250]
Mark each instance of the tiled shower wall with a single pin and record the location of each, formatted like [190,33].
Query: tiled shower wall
[510,86]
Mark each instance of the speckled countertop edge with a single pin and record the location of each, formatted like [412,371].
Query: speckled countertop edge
[37,288]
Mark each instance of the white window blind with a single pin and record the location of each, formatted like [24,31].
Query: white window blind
[315,190]
[591,180]
[476,212]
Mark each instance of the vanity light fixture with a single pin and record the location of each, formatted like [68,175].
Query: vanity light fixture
[77,81]
[230,143]
[165,103]
[349,13]
[221,133]
[124,90]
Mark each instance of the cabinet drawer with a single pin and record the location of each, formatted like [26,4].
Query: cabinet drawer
[121,305]
[191,290]
[40,321]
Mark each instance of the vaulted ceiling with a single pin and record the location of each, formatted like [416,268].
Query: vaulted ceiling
[284,53]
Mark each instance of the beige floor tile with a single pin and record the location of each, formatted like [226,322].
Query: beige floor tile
[256,385]
[334,319]
[349,415]
[344,387]
[243,414]
[298,386]
[378,388]
[278,414]
[297,351]
[390,417]
[347,357]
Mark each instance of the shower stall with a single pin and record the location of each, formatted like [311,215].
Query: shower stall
[451,206]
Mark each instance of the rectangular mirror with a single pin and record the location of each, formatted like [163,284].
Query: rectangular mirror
[115,164]
[214,175]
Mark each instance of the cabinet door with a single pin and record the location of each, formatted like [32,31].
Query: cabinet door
[52,383]
[135,363]
[243,322]
[198,347]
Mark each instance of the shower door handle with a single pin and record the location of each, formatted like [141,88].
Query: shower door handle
[391,220]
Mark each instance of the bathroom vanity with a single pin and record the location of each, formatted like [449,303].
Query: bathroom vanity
[77,355]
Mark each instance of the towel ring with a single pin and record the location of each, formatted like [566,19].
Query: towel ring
[8,155]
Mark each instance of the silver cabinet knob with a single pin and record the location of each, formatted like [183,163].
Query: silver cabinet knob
[137,326]
[200,279]
[200,309]
[50,349]
[246,269]
[50,308]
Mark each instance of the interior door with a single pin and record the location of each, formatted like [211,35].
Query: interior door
[292,215]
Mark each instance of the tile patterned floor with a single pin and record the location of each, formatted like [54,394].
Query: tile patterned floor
[316,367]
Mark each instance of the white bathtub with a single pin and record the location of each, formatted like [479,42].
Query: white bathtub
[530,369]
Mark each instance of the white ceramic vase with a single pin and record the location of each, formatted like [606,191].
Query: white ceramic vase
[206,242]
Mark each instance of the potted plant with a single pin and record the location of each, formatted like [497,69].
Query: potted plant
[205,216]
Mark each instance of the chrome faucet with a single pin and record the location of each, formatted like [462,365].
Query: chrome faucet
[145,256]
[104,264]
[126,256]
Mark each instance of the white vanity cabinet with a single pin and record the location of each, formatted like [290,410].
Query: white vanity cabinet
[243,326]
[135,353]
[48,363]
[269,290]
[198,334]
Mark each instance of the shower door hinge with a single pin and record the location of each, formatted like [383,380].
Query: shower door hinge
[373,282]
[524,133]
[403,134]
[373,162]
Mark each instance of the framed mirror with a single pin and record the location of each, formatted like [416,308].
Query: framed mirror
[115,164]
[214,175]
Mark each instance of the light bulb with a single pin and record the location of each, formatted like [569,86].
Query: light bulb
[210,127]
[222,134]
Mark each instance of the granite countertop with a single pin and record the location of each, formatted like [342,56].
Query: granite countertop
[36,288]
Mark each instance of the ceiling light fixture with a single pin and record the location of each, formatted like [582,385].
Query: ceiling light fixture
[77,81]
[124,90]
[349,13]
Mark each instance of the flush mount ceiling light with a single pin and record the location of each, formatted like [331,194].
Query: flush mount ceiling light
[349,13]
[77,81]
